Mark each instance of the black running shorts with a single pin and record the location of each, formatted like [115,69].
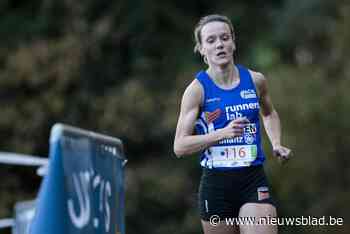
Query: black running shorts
[223,193]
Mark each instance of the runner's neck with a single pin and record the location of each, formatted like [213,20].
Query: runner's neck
[224,77]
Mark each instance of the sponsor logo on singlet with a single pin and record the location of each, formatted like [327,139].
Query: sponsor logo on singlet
[211,116]
[216,99]
[234,111]
[248,93]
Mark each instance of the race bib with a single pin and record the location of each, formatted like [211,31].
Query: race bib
[233,156]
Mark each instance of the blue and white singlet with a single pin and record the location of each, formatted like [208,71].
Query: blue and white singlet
[220,107]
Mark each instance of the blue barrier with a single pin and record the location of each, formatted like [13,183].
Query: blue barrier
[24,212]
[83,191]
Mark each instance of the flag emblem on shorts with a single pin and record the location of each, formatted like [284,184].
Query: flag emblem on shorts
[263,193]
[211,116]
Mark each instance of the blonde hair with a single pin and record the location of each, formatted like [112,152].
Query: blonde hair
[207,19]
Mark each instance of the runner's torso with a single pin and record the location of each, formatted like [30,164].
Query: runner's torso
[221,106]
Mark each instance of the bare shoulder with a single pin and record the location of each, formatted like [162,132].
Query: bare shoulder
[258,78]
[259,81]
[194,93]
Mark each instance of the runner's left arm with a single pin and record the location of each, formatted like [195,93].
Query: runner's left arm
[270,117]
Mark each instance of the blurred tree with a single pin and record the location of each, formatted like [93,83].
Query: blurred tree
[120,67]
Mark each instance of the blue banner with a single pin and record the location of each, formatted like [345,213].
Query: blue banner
[83,191]
[24,213]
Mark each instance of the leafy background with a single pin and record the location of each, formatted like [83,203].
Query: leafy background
[120,67]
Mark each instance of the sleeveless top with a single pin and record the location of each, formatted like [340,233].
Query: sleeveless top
[220,107]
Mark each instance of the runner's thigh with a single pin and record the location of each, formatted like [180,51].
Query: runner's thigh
[221,228]
[257,210]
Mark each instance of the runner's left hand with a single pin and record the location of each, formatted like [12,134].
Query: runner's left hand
[282,153]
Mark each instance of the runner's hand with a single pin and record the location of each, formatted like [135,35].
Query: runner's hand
[283,153]
[235,128]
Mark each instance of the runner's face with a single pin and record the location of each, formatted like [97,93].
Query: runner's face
[217,43]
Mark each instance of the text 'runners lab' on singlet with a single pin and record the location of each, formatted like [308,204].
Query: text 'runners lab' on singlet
[220,107]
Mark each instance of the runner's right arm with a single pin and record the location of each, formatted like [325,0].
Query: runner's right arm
[185,141]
